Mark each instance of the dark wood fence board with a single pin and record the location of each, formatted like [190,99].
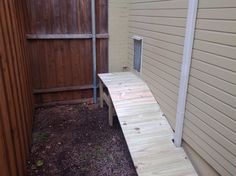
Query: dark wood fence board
[60,62]
[10,72]
[5,169]
[21,86]
[62,58]
[60,65]
[60,17]
[16,108]
[101,16]
[102,56]
[9,160]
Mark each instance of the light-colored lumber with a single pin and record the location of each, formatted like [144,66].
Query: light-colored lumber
[147,132]
[101,93]
[108,101]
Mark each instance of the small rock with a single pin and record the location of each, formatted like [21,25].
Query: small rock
[39,163]
[114,139]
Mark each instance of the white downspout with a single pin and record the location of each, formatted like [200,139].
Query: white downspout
[186,63]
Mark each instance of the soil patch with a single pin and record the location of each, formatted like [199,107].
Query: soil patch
[76,140]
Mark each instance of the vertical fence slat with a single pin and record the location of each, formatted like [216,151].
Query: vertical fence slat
[54,61]
[16,108]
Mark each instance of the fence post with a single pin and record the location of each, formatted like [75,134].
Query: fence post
[94,51]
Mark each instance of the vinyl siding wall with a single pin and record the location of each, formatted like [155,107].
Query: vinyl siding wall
[210,119]
[118,34]
[162,25]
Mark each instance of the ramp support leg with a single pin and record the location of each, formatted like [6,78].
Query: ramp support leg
[101,93]
[108,101]
[110,112]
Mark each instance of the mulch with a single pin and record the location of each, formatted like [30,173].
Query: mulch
[76,140]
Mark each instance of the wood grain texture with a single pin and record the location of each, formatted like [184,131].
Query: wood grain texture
[64,57]
[16,105]
[64,36]
[147,132]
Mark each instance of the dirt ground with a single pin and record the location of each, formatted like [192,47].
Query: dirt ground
[76,140]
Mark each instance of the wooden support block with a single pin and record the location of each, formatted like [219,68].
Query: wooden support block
[108,101]
[111,115]
[101,93]
[106,98]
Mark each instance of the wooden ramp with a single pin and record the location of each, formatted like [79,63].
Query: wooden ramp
[147,132]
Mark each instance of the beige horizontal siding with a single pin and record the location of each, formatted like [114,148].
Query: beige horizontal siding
[219,95]
[212,80]
[176,31]
[210,121]
[215,48]
[220,61]
[207,156]
[170,38]
[162,25]
[216,4]
[175,22]
[174,13]
[118,34]
[222,38]
[216,25]
[158,5]
[218,13]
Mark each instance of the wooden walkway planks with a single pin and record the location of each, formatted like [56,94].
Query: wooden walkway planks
[147,133]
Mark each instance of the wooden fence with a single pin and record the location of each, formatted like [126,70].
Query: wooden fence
[16,108]
[58,56]
[60,37]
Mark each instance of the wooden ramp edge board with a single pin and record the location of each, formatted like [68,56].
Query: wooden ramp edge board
[146,131]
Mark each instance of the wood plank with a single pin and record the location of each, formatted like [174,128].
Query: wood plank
[62,89]
[147,132]
[3,158]
[66,102]
[101,93]
[16,104]
[64,36]
[10,66]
